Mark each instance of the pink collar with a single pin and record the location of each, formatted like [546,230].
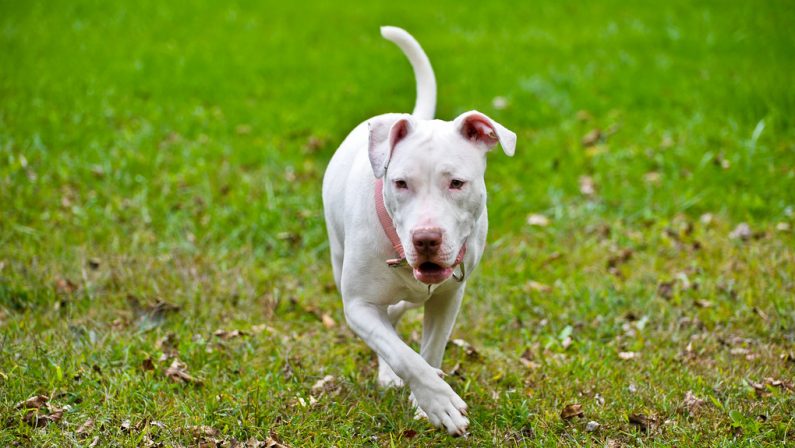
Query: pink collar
[391,233]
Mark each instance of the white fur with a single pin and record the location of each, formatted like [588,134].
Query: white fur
[426,154]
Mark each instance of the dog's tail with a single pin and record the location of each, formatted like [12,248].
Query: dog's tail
[425,106]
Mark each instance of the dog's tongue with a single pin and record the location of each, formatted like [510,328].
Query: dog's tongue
[431,274]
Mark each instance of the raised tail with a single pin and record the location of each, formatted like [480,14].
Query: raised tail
[425,106]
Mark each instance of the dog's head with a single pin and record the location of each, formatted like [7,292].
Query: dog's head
[433,182]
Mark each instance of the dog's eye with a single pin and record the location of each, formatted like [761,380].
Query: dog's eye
[456,184]
[401,184]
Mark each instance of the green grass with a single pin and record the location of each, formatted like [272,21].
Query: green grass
[174,151]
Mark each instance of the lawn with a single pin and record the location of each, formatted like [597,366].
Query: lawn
[164,269]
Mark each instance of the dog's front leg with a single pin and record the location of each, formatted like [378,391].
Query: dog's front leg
[434,396]
[438,321]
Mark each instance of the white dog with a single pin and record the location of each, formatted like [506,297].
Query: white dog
[405,208]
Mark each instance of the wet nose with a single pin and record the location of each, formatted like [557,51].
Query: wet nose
[427,240]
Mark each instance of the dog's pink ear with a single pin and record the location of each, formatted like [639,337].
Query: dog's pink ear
[386,131]
[482,130]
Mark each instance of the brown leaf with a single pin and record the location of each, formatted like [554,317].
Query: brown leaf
[34,402]
[742,232]
[620,257]
[226,335]
[409,433]
[178,372]
[532,285]
[645,422]
[537,219]
[273,441]
[570,411]
[666,289]
[326,384]
[328,322]
[591,138]
[587,186]
[94,263]
[168,344]
[692,403]
[147,364]
[65,286]
[466,347]
[701,303]
[527,360]
[202,431]
[85,428]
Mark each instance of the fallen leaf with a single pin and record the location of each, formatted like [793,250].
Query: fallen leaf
[532,285]
[178,372]
[273,441]
[763,389]
[587,186]
[328,322]
[591,138]
[65,286]
[203,431]
[94,263]
[409,433]
[326,384]
[692,403]
[85,428]
[126,426]
[536,219]
[783,227]
[700,303]
[619,258]
[742,232]
[645,422]
[94,442]
[226,335]
[652,177]
[499,103]
[592,426]
[147,364]
[527,360]
[570,411]
[168,344]
[666,289]
[466,346]
[314,143]
[34,402]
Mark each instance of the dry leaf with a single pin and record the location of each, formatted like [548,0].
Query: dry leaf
[592,426]
[65,286]
[626,356]
[34,402]
[666,289]
[499,102]
[325,384]
[203,431]
[94,263]
[587,186]
[652,177]
[85,428]
[466,346]
[591,138]
[537,219]
[645,422]
[328,322]
[741,232]
[583,115]
[783,227]
[178,372]
[527,360]
[532,285]
[570,411]
[226,335]
[692,403]
[147,364]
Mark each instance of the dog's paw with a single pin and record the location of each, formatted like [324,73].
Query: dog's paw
[386,377]
[442,407]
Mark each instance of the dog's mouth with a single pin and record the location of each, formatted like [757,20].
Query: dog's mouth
[431,273]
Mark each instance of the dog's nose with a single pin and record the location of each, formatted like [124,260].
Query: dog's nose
[427,240]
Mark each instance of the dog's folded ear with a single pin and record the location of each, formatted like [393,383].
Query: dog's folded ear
[482,130]
[386,131]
